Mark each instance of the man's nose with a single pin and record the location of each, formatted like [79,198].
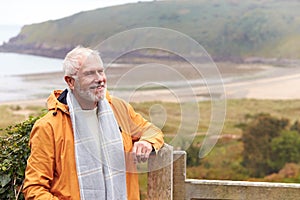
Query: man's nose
[99,76]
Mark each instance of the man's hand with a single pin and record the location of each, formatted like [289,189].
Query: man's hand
[141,151]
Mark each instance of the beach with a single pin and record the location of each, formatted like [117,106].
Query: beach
[238,81]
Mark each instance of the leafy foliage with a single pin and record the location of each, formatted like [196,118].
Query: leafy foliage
[295,126]
[269,144]
[257,139]
[14,153]
[192,156]
[285,149]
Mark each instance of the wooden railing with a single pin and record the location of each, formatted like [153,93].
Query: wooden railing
[167,181]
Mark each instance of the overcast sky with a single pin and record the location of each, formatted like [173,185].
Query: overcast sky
[19,12]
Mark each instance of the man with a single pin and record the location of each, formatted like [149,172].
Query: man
[81,148]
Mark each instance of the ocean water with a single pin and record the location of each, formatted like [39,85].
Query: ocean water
[17,64]
[20,64]
[25,77]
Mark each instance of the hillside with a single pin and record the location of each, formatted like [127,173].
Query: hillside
[227,29]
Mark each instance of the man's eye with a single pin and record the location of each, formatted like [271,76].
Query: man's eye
[88,73]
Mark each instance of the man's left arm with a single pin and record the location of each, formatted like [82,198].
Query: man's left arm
[146,135]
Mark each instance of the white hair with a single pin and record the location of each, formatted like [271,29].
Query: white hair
[75,59]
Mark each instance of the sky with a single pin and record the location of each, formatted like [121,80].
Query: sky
[19,12]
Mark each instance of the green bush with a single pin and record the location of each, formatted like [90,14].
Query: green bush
[285,149]
[15,150]
[193,158]
[257,137]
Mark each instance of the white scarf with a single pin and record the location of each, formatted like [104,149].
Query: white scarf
[99,151]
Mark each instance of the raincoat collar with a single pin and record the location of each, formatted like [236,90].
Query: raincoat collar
[57,100]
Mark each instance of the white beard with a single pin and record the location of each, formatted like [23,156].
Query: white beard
[87,94]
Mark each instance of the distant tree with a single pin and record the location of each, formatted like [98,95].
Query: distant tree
[257,137]
[285,149]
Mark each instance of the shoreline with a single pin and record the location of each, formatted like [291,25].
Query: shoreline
[239,81]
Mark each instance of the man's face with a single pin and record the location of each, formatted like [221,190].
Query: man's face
[90,84]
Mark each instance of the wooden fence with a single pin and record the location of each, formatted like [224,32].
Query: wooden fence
[167,181]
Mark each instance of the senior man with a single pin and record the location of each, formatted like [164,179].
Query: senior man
[79,148]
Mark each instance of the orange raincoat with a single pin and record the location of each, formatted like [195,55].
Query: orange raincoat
[51,168]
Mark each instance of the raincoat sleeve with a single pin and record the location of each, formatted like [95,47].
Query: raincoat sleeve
[143,130]
[40,165]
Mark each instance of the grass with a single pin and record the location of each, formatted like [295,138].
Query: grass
[14,114]
[236,112]
[223,161]
[7,117]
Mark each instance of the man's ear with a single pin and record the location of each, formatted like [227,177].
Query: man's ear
[70,81]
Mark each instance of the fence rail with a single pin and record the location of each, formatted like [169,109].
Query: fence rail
[167,181]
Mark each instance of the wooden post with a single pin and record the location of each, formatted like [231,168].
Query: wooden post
[179,174]
[160,174]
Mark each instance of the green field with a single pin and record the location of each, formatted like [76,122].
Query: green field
[223,162]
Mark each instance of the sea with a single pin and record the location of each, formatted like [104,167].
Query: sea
[21,76]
